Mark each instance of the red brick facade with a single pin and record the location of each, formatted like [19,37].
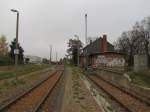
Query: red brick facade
[105,50]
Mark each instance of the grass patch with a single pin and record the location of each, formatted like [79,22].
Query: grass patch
[12,83]
[4,74]
[16,82]
[100,94]
[9,71]
[6,83]
[109,108]
[141,78]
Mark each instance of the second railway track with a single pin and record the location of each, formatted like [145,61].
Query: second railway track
[125,100]
[34,98]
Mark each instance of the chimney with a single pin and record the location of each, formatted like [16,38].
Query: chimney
[90,41]
[104,43]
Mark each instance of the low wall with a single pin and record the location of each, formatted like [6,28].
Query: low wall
[120,80]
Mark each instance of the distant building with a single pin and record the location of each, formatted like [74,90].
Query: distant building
[32,59]
[101,53]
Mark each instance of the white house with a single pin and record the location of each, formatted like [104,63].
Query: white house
[32,59]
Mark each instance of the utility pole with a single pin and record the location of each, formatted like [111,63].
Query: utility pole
[56,57]
[78,52]
[16,50]
[50,47]
[85,29]
[86,55]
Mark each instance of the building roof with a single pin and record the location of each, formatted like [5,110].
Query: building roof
[107,53]
[97,47]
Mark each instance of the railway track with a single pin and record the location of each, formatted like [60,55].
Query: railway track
[126,101]
[32,100]
[120,72]
[5,78]
[140,95]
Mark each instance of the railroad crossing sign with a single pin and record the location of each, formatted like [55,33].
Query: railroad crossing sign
[16,51]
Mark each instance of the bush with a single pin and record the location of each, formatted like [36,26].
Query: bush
[141,78]
[5,60]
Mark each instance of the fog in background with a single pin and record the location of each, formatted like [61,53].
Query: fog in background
[54,22]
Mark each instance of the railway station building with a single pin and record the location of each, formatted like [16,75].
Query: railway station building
[101,53]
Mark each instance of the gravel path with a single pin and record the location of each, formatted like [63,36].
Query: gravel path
[76,97]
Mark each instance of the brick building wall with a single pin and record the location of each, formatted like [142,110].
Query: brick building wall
[102,53]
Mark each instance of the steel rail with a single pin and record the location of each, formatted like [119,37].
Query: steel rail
[47,95]
[127,92]
[111,96]
[134,94]
[25,93]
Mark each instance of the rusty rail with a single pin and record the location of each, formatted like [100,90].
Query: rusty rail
[127,101]
[12,104]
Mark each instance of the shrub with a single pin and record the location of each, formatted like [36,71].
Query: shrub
[5,60]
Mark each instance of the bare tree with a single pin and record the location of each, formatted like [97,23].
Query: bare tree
[145,23]
[3,46]
[73,49]
[135,41]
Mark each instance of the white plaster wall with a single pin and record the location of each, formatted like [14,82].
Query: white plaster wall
[111,62]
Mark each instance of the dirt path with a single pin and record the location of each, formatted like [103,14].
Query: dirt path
[76,97]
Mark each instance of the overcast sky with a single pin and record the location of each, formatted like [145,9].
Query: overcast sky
[45,22]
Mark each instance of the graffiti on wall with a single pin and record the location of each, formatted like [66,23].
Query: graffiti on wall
[103,61]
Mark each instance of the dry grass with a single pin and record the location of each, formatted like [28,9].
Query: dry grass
[12,87]
[9,71]
[141,78]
